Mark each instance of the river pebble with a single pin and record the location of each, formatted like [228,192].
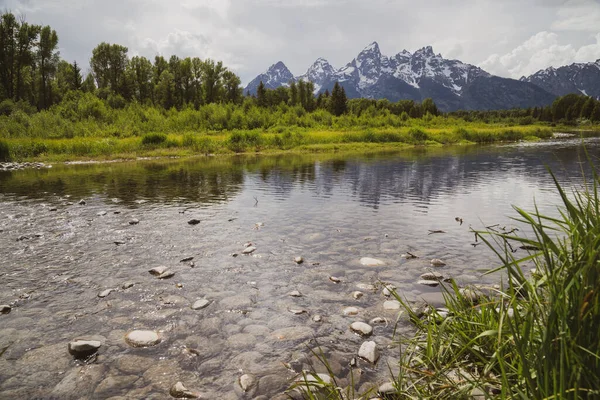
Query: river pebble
[357,294]
[166,275]
[200,304]
[371,262]
[105,293]
[249,250]
[157,270]
[194,221]
[298,260]
[81,348]
[369,351]
[179,391]
[127,285]
[295,293]
[247,382]
[140,338]
[350,311]
[361,328]
[432,276]
[386,389]
[5,309]
[335,279]
[366,286]
[436,262]
[391,305]
[134,221]
[428,282]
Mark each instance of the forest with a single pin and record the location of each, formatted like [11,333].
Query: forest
[126,107]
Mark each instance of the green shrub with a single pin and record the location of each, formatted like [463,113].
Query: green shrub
[417,134]
[154,139]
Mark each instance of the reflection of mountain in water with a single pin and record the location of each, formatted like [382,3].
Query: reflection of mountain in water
[418,176]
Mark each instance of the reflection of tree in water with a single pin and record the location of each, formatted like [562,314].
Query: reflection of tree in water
[419,176]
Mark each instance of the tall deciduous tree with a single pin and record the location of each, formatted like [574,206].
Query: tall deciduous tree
[48,61]
[211,81]
[233,91]
[109,62]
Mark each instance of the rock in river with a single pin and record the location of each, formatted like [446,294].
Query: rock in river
[249,250]
[361,328]
[298,260]
[181,392]
[427,282]
[357,294]
[436,262]
[247,382]
[105,293]
[5,309]
[369,351]
[194,221]
[350,311]
[81,348]
[371,262]
[200,304]
[140,338]
[166,275]
[432,276]
[157,270]
[134,221]
[391,305]
[295,293]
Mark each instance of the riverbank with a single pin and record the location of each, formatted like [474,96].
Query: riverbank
[296,140]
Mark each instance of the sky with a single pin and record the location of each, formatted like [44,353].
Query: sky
[510,38]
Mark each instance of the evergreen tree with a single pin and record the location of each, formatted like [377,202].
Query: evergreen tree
[293,94]
[588,108]
[595,117]
[77,78]
[261,95]
[338,103]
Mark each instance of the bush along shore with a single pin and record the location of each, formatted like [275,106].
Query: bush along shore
[534,338]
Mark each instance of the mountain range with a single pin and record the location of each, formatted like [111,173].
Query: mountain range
[452,84]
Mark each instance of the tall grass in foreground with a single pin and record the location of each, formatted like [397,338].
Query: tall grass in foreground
[536,338]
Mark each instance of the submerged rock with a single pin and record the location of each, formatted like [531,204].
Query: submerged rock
[391,305]
[105,293]
[101,213]
[350,311]
[369,352]
[140,338]
[297,311]
[80,348]
[157,270]
[127,285]
[361,328]
[386,388]
[366,286]
[432,276]
[295,293]
[317,318]
[166,275]
[5,309]
[371,262]
[436,262]
[179,391]
[247,382]
[428,282]
[249,250]
[200,304]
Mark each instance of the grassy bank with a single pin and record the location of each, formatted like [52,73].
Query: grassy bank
[250,141]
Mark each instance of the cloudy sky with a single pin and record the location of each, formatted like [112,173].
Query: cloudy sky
[510,38]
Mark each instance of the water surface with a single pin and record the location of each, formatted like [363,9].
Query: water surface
[331,210]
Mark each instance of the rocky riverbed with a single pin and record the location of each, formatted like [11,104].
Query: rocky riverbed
[117,301]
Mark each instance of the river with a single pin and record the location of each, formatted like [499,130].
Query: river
[57,255]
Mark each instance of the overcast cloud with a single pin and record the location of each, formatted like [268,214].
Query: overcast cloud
[509,38]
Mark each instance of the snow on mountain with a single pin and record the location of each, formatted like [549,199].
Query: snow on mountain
[318,73]
[451,83]
[580,78]
[277,75]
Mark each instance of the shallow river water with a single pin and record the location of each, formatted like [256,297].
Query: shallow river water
[57,255]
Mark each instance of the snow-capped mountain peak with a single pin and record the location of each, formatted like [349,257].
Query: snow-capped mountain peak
[580,78]
[318,73]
